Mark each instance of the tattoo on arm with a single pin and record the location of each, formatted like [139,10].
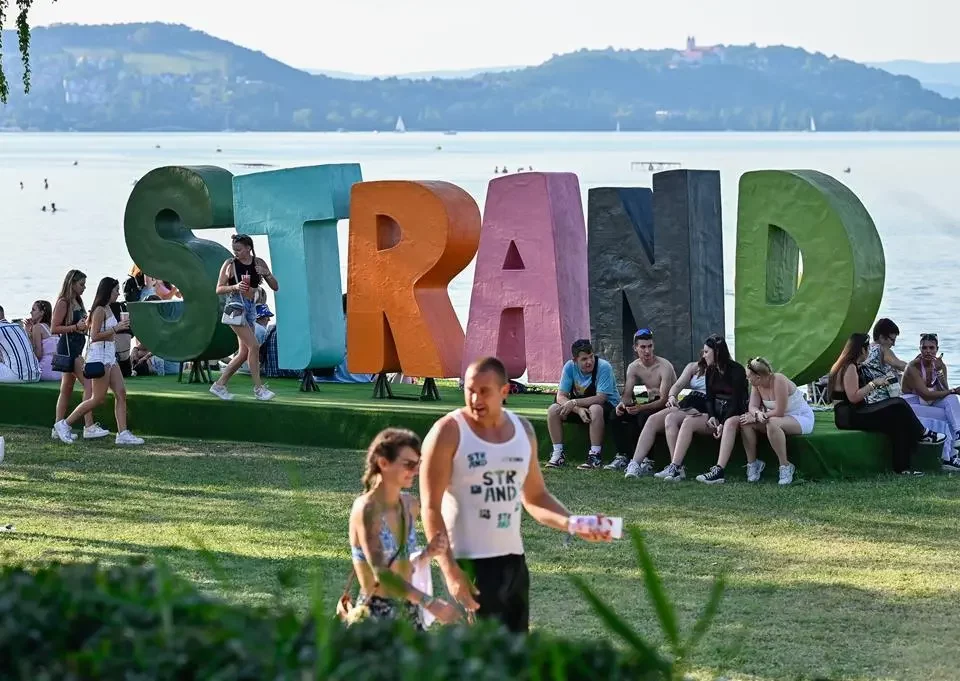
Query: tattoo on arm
[370,539]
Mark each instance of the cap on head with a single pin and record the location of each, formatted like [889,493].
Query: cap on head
[643,334]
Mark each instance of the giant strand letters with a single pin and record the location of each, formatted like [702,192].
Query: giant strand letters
[785,213]
[656,260]
[407,242]
[530,299]
[297,209]
[164,207]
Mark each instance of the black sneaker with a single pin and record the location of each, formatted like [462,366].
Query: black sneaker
[951,466]
[931,438]
[593,461]
[557,460]
[712,477]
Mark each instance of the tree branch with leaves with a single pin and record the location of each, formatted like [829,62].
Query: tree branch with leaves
[23,38]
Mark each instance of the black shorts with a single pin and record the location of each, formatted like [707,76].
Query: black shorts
[695,400]
[504,586]
[608,410]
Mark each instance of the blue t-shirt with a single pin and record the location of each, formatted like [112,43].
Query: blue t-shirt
[574,383]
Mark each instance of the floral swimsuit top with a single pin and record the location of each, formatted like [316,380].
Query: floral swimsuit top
[389,542]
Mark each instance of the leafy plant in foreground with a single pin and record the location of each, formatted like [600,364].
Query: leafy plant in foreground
[680,648]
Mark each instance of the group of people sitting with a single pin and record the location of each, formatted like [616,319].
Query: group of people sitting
[715,396]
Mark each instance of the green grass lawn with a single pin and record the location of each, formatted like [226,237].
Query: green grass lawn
[826,580]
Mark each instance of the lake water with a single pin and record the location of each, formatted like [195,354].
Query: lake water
[905,181]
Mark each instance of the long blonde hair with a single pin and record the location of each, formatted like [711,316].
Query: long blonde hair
[387,444]
[66,291]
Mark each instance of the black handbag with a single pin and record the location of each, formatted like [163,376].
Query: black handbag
[62,361]
[94,370]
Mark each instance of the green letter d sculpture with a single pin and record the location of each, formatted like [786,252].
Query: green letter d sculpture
[163,209]
[802,329]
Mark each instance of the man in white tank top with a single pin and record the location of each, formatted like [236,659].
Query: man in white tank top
[479,469]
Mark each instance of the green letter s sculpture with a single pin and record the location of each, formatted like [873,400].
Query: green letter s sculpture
[802,329]
[164,207]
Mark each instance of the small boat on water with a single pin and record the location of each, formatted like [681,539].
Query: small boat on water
[400,127]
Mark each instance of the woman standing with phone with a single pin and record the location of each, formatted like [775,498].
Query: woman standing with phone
[240,277]
[101,366]
[69,321]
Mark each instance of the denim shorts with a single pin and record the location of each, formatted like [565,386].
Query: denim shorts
[249,312]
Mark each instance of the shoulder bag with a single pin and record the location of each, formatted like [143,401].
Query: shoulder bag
[233,306]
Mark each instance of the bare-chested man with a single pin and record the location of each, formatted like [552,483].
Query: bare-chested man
[657,374]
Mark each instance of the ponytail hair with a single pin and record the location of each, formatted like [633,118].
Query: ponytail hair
[387,444]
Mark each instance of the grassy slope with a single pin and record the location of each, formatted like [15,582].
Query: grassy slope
[836,580]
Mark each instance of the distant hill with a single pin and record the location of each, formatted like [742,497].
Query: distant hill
[169,77]
[943,77]
[417,75]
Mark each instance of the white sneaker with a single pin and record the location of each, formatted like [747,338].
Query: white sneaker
[263,394]
[754,470]
[221,391]
[619,463]
[64,432]
[639,470]
[54,436]
[128,438]
[786,474]
[95,431]
[557,460]
[673,473]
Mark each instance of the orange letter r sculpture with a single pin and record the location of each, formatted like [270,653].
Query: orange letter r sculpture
[408,240]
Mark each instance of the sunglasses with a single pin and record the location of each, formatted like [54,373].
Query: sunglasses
[928,336]
[411,465]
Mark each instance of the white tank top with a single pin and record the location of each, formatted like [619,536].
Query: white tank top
[104,351]
[481,507]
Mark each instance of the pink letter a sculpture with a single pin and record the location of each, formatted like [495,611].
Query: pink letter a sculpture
[530,299]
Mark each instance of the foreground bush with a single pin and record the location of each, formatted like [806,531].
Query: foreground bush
[135,622]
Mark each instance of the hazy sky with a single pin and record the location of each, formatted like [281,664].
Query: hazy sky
[393,36]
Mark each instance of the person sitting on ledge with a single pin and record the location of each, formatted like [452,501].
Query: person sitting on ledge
[726,400]
[893,417]
[694,404]
[777,408]
[881,361]
[926,390]
[654,373]
[18,363]
[588,392]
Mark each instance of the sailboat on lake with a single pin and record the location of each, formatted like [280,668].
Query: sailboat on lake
[400,126]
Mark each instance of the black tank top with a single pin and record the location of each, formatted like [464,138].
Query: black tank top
[242,269]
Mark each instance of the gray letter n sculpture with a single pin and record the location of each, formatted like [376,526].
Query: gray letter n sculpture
[656,260]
